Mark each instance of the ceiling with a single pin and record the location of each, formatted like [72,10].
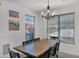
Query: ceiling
[40,5]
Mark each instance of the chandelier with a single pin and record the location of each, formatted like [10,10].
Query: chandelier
[48,14]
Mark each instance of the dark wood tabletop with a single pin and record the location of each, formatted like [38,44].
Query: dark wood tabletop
[37,48]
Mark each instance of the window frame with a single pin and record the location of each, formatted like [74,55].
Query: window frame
[65,28]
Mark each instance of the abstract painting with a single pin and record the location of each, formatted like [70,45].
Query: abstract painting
[13,24]
[13,14]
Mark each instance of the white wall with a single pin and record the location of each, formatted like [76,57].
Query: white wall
[13,37]
[64,47]
[42,27]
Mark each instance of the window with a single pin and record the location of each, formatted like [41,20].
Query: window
[63,27]
[29,26]
[67,28]
[53,27]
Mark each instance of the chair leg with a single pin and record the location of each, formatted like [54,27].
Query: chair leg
[49,53]
[56,56]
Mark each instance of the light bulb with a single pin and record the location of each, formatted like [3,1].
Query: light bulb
[42,13]
[48,11]
[53,13]
[45,14]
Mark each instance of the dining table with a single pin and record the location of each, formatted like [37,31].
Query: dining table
[36,48]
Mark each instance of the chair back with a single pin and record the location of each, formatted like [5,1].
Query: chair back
[27,42]
[37,39]
[56,48]
[54,38]
[30,41]
[13,54]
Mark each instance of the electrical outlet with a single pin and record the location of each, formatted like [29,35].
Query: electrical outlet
[5,48]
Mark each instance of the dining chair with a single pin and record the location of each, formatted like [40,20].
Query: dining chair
[37,39]
[27,42]
[54,37]
[54,50]
[13,54]
[45,54]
